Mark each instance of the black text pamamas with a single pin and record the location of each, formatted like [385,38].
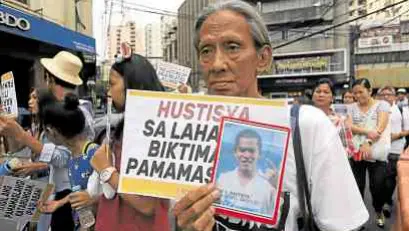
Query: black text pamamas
[175,158]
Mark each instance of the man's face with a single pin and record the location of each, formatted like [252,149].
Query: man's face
[228,57]
[388,96]
[247,154]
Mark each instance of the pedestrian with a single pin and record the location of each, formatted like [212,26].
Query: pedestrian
[370,119]
[402,98]
[54,117]
[399,130]
[233,47]
[348,97]
[322,97]
[127,212]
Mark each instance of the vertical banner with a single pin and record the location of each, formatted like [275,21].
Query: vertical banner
[8,94]
[171,75]
[169,140]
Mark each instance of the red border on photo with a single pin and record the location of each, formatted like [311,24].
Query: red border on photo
[242,215]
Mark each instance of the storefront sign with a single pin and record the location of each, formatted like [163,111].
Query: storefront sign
[13,21]
[382,41]
[305,64]
[29,26]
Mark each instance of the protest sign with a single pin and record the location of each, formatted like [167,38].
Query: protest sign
[18,199]
[254,153]
[171,75]
[8,94]
[169,139]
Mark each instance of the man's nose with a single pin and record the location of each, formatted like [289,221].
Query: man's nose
[219,63]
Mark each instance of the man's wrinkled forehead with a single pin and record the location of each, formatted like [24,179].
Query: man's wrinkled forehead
[223,21]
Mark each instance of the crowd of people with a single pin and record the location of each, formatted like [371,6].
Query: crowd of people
[232,43]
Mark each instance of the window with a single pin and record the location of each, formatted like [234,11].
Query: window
[284,35]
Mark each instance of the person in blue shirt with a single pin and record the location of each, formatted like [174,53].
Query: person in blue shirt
[64,123]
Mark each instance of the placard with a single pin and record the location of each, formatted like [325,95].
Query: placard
[249,169]
[8,95]
[19,197]
[169,139]
[171,75]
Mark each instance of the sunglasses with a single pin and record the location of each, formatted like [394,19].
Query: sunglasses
[250,150]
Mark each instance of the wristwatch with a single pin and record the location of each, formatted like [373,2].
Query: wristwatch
[106,174]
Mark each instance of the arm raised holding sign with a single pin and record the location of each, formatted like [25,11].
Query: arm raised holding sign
[131,212]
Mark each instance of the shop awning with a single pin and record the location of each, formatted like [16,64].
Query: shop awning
[26,25]
[395,77]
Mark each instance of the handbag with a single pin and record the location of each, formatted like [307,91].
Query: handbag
[306,222]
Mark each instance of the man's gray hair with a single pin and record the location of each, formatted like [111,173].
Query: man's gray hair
[258,29]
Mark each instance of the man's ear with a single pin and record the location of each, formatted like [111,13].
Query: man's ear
[265,56]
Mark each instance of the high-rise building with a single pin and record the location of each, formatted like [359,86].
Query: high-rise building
[130,33]
[169,27]
[33,29]
[153,43]
[186,53]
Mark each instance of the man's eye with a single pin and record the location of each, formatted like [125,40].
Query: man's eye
[205,51]
[233,47]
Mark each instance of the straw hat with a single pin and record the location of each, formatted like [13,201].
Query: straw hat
[65,66]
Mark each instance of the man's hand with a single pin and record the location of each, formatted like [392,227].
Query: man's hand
[195,211]
[10,128]
[101,160]
[80,199]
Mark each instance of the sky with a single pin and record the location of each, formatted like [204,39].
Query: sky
[141,18]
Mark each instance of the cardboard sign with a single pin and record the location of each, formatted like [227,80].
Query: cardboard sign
[254,153]
[169,139]
[8,95]
[171,75]
[19,197]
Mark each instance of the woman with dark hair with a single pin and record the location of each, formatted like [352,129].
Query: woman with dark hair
[322,98]
[127,212]
[370,126]
[348,97]
[54,117]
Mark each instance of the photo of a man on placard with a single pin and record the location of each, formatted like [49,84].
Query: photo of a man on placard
[245,188]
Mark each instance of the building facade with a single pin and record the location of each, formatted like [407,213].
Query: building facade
[153,43]
[186,53]
[382,53]
[297,66]
[361,7]
[130,33]
[169,27]
[41,28]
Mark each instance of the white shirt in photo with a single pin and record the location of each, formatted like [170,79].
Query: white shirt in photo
[257,196]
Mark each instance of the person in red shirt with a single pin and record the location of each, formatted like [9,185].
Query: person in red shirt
[127,212]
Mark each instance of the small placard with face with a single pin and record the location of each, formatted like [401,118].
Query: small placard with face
[248,169]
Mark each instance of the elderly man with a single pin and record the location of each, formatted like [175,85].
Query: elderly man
[233,46]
